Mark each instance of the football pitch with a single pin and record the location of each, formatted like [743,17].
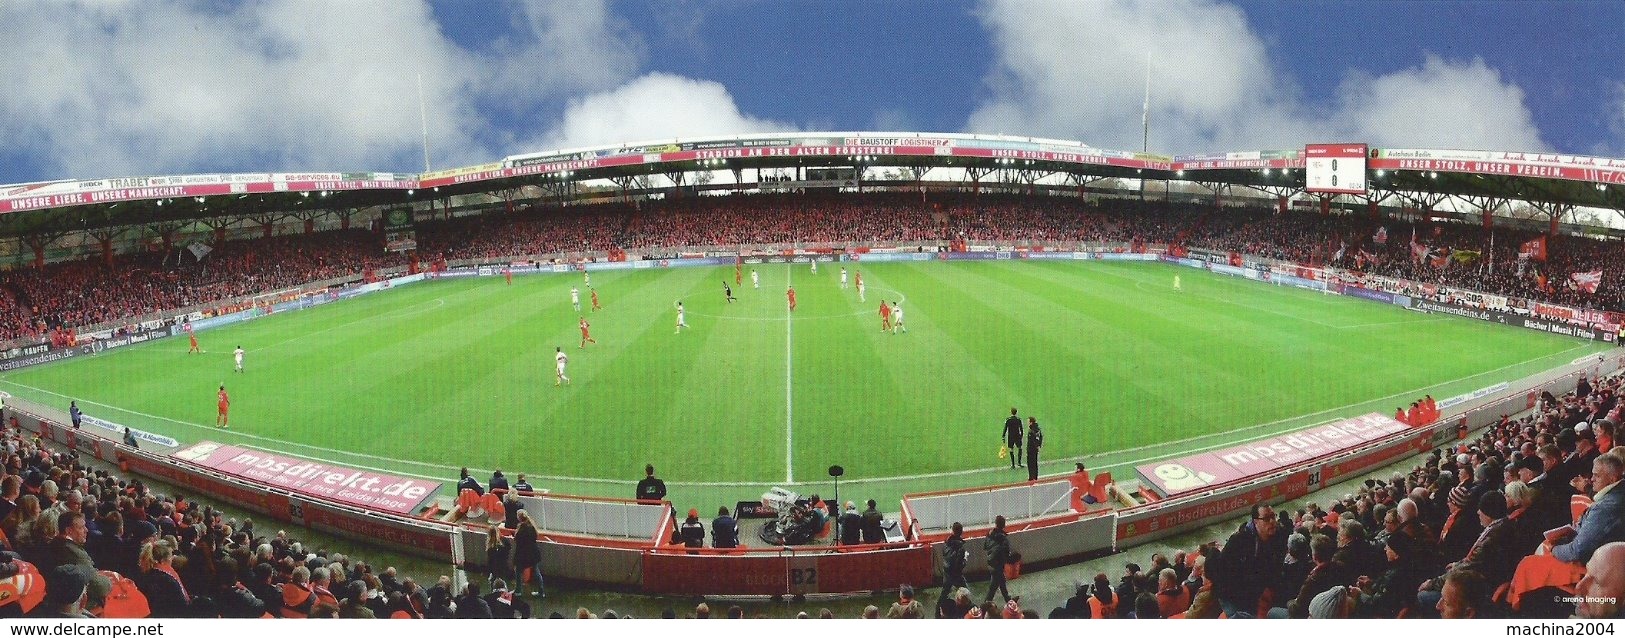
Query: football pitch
[1116,365]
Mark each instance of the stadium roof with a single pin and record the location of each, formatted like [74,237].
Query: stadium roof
[85,205]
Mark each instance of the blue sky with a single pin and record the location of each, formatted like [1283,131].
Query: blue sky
[109,88]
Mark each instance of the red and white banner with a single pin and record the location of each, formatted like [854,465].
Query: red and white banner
[359,488]
[1548,165]
[1534,248]
[1208,469]
[1587,281]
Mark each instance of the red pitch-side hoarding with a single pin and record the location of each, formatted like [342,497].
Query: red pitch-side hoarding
[358,488]
[1194,472]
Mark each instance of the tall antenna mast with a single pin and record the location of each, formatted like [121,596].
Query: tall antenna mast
[423,116]
[1145,109]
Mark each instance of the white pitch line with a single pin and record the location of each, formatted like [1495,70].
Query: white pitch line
[910,477]
[789,434]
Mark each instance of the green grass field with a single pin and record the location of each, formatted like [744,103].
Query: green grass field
[1117,366]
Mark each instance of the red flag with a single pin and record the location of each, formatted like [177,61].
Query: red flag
[1587,281]
[1535,248]
[1418,252]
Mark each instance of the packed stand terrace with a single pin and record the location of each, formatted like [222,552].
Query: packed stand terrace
[83,293]
[77,542]
[1516,523]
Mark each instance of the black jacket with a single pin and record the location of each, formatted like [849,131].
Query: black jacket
[851,528]
[954,557]
[1012,431]
[724,532]
[1248,566]
[997,547]
[872,533]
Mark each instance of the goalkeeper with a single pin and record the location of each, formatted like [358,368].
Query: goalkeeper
[1012,438]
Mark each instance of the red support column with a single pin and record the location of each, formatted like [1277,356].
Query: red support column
[1280,205]
[310,226]
[267,228]
[107,250]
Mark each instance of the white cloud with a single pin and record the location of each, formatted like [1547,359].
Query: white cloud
[652,107]
[1077,70]
[1440,104]
[565,46]
[1616,123]
[102,89]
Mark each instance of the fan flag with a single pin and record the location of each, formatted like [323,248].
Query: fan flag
[1382,235]
[1587,281]
[1535,248]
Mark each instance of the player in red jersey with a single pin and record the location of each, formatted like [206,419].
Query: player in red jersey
[225,405]
[791,293]
[586,337]
[507,273]
[193,337]
[885,316]
[595,305]
[739,274]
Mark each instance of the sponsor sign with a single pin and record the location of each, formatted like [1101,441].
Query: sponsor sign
[1470,313]
[359,488]
[1365,293]
[138,337]
[1471,396]
[898,141]
[1202,509]
[1257,458]
[41,356]
[118,430]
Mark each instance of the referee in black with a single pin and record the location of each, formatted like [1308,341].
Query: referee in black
[1012,438]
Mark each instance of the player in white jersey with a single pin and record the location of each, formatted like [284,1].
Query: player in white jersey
[575,298]
[860,290]
[680,323]
[755,279]
[843,277]
[238,354]
[1176,284]
[559,360]
[814,262]
[897,318]
[586,279]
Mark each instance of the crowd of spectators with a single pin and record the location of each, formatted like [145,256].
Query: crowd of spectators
[1524,521]
[83,293]
[89,543]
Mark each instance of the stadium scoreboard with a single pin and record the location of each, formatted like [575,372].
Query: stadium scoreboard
[1335,168]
